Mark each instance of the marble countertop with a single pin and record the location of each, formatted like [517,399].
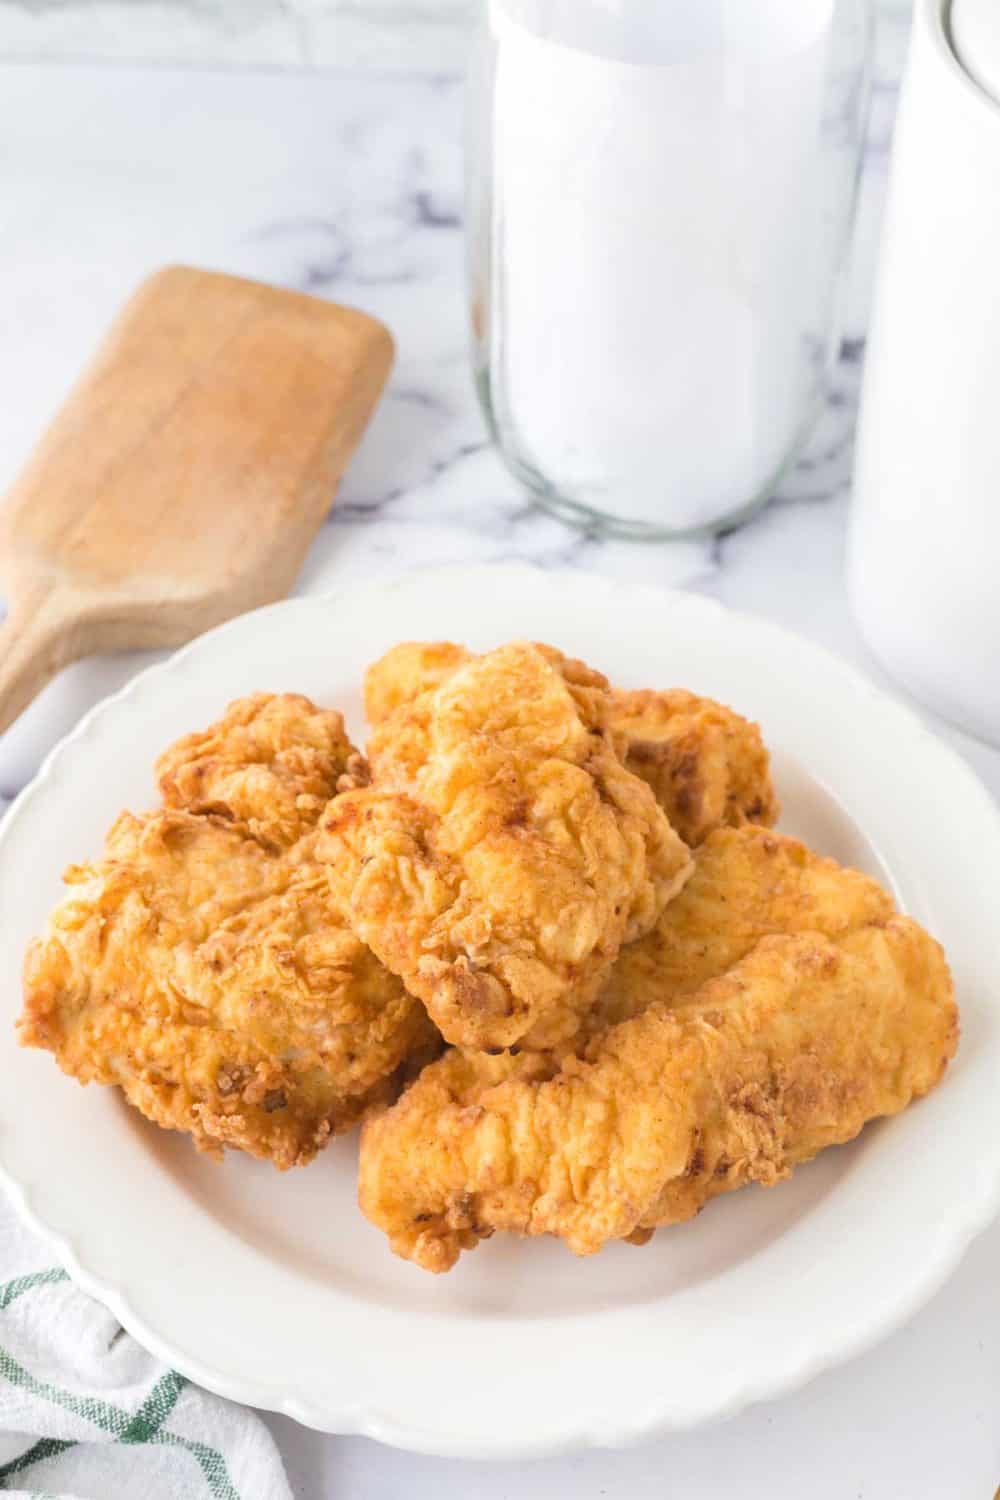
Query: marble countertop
[400,35]
[396,35]
[348,186]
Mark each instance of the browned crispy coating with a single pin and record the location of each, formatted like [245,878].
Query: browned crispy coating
[211,981]
[207,973]
[792,1050]
[406,672]
[270,763]
[501,863]
[748,883]
[707,766]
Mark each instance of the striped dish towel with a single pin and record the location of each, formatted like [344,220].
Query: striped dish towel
[86,1414]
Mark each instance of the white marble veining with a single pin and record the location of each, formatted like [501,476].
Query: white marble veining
[381,34]
[348,187]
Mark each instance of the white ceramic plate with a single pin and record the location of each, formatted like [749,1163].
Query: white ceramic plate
[273,1290]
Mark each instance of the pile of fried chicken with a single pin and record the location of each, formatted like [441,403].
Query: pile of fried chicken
[542,940]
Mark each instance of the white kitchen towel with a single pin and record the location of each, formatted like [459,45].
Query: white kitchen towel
[87,1414]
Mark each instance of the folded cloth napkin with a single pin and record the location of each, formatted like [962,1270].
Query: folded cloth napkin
[87,1414]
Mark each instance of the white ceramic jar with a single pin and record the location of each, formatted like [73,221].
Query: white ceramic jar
[924,556]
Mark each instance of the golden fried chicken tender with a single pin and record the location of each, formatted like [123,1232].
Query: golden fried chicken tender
[748,883]
[400,690]
[501,863]
[406,672]
[212,982]
[707,766]
[794,1049]
[271,763]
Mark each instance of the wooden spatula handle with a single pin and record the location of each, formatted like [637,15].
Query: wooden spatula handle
[36,639]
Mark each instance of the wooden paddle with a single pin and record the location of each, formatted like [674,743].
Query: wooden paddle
[186,474]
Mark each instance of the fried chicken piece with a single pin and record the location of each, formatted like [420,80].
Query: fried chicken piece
[506,859]
[748,883]
[212,981]
[408,671]
[399,694]
[793,1050]
[707,766]
[271,763]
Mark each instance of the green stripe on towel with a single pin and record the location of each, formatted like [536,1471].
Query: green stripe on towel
[143,1426]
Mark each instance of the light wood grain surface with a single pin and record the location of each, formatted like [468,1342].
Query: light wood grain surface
[187,472]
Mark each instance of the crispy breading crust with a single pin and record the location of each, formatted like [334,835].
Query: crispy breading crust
[707,766]
[399,692]
[748,883]
[503,861]
[791,1051]
[205,972]
[406,672]
[271,764]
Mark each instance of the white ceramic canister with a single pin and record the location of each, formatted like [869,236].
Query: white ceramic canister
[924,556]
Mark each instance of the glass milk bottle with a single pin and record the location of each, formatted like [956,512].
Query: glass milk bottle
[661,197]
